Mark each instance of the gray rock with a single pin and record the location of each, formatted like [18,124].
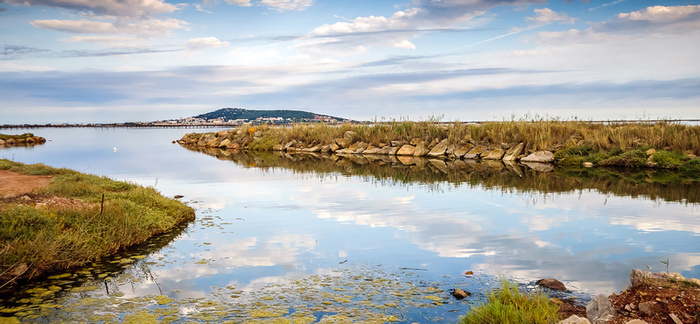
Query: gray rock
[573,319]
[513,152]
[439,150]
[541,167]
[600,310]
[539,156]
[475,152]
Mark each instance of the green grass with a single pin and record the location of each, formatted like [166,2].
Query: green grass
[5,137]
[508,305]
[49,239]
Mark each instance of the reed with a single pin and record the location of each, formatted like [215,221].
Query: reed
[54,238]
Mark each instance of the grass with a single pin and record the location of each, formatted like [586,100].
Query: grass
[539,134]
[49,239]
[5,137]
[508,305]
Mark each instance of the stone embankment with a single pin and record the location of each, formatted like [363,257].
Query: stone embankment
[22,141]
[348,145]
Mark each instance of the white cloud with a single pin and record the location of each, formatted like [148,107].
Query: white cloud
[242,3]
[546,16]
[205,43]
[14,67]
[120,8]
[282,5]
[661,14]
[144,28]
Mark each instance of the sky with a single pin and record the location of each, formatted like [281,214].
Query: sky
[103,61]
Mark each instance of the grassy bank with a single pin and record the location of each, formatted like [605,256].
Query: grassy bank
[632,145]
[66,224]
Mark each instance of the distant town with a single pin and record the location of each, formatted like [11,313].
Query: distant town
[221,117]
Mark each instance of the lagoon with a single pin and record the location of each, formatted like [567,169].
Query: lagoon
[276,239]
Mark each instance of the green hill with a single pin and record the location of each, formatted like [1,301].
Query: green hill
[240,113]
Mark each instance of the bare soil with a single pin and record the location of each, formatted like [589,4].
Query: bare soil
[13,184]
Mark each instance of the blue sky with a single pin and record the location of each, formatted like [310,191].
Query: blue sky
[143,60]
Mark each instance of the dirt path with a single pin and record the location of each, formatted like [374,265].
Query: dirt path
[14,184]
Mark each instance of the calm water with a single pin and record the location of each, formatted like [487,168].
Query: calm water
[314,244]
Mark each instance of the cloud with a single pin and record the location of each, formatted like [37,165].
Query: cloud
[242,3]
[119,8]
[546,16]
[358,34]
[671,19]
[10,52]
[205,43]
[144,28]
[282,5]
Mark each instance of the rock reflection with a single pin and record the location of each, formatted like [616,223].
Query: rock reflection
[506,176]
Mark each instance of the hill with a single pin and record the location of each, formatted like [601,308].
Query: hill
[232,114]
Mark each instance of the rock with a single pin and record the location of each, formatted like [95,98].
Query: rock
[552,283]
[651,152]
[649,308]
[600,310]
[392,150]
[513,152]
[439,149]
[349,136]
[372,150]
[222,133]
[557,301]
[573,319]
[475,152]
[587,164]
[539,156]
[496,154]
[2,142]
[415,141]
[541,167]
[334,147]
[469,273]
[398,143]
[225,143]
[31,141]
[406,150]
[178,196]
[325,149]
[234,146]
[460,294]
[406,159]
[10,141]
[636,321]
[461,150]
[313,149]
[421,149]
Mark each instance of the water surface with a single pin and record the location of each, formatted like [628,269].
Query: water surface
[327,242]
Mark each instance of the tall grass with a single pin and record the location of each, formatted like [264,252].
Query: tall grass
[508,305]
[539,134]
[55,238]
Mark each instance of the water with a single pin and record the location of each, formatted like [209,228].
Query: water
[313,238]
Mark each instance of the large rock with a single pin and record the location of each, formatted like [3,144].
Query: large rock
[372,150]
[539,156]
[406,150]
[461,150]
[552,284]
[475,152]
[421,149]
[225,143]
[349,136]
[439,150]
[573,319]
[514,152]
[496,154]
[600,310]
[460,294]
[342,143]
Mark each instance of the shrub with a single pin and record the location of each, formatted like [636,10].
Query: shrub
[509,305]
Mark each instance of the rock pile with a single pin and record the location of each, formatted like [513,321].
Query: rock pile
[28,141]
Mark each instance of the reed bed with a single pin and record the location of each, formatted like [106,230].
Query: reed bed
[536,134]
